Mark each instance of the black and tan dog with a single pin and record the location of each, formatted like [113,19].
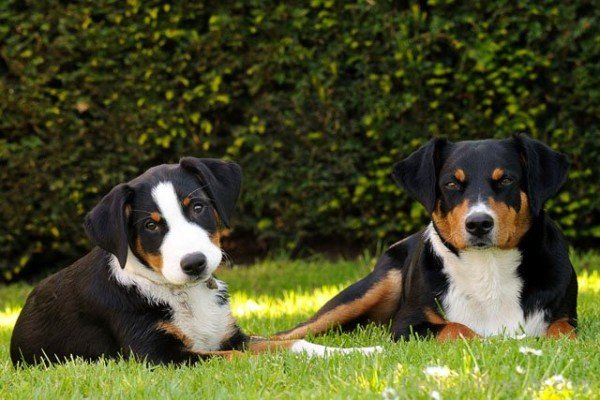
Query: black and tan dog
[147,290]
[490,262]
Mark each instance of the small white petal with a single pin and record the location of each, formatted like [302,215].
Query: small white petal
[437,371]
[390,394]
[558,381]
[435,395]
[529,350]
[521,336]
[520,370]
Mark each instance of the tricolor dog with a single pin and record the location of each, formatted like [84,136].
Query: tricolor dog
[147,290]
[491,262]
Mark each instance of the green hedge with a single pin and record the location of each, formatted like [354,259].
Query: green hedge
[315,100]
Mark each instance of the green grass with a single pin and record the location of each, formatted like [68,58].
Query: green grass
[277,294]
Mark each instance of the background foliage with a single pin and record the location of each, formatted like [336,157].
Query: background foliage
[314,99]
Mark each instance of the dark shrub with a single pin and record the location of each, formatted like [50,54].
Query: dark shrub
[315,100]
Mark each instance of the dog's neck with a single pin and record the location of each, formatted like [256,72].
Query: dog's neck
[484,289]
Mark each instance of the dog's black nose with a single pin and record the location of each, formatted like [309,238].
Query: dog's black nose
[479,224]
[193,264]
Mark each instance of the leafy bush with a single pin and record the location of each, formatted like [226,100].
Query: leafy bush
[314,100]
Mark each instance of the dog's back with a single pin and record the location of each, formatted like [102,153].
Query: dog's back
[60,317]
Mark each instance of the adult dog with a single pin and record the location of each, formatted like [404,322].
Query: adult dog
[490,262]
[147,289]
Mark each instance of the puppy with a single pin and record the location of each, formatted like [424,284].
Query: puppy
[490,262]
[147,289]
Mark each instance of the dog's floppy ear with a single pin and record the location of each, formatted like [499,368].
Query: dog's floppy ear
[106,224]
[223,180]
[545,170]
[417,174]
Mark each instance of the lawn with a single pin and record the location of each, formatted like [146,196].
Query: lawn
[276,294]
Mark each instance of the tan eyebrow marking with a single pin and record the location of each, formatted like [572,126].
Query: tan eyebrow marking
[497,174]
[459,174]
[186,201]
[155,216]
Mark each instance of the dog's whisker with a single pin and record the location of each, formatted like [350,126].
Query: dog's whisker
[195,190]
[227,260]
[140,220]
[142,211]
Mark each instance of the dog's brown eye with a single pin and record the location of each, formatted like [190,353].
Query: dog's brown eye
[198,207]
[452,186]
[506,181]
[151,225]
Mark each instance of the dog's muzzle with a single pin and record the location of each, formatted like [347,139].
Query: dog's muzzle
[194,265]
[479,227]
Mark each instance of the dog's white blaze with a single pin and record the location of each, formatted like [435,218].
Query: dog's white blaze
[311,349]
[196,309]
[484,290]
[183,238]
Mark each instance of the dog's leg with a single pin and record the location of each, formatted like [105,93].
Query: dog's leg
[429,322]
[559,328]
[372,299]
[257,346]
[226,354]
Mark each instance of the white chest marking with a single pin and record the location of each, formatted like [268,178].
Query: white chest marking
[196,309]
[485,290]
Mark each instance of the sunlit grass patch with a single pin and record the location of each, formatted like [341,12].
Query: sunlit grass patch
[8,317]
[291,302]
[589,281]
[277,294]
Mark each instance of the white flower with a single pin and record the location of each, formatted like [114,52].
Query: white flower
[390,394]
[558,381]
[529,350]
[521,336]
[520,370]
[438,372]
[435,395]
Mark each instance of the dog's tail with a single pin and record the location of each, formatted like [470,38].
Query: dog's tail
[257,345]
[317,350]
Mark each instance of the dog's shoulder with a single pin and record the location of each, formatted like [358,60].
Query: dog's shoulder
[401,253]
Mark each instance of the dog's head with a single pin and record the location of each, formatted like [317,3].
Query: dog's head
[483,193]
[168,218]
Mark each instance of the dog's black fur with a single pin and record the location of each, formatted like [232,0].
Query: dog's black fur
[411,284]
[147,290]
[82,311]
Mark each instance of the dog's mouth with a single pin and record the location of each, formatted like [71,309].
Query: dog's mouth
[209,280]
[480,243]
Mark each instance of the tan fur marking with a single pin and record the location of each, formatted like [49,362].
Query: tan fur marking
[450,330]
[512,225]
[561,328]
[216,239]
[155,216]
[172,329]
[390,288]
[454,331]
[497,174]
[154,260]
[433,317]
[450,225]
[381,295]
[263,346]
[186,201]
[460,176]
